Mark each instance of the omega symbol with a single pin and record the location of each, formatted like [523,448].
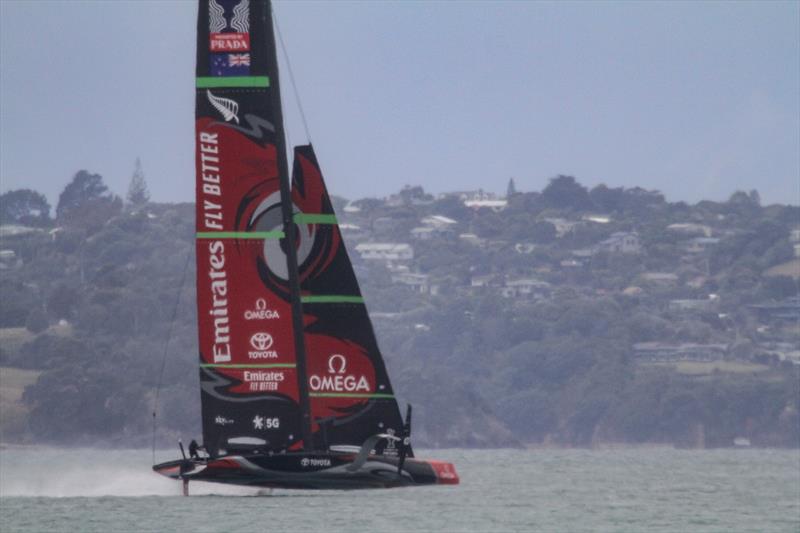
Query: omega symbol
[332,365]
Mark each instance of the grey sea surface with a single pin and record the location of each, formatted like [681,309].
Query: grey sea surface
[640,489]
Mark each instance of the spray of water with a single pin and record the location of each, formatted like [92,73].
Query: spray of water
[58,472]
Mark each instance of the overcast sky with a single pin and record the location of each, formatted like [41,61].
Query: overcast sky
[694,99]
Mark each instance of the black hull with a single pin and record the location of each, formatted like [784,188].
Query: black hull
[316,471]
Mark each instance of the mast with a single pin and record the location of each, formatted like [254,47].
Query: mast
[289,230]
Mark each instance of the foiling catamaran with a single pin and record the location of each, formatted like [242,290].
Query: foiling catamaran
[294,390]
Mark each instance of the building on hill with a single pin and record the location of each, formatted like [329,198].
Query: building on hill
[661,352]
[620,242]
[9,260]
[690,228]
[700,244]
[786,310]
[471,238]
[562,225]
[597,219]
[438,221]
[417,282]
[387,252]
[689,305]
[528,288]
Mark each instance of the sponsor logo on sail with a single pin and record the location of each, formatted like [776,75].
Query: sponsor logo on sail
[229,25]
[338,379]
[263,380]
[261,343]
[261,312]
[315,461]
[222,421]
[266,422]
[221,349]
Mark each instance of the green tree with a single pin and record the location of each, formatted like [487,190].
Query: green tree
[24,206]
[511,190]
[138,194]
[564,192]
[86,202]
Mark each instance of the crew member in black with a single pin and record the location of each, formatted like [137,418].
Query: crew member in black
[193,450]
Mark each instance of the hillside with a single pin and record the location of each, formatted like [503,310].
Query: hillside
[567,317]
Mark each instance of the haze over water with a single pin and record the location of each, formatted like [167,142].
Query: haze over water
[652,489]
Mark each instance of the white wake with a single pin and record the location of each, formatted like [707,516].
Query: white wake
[63,473]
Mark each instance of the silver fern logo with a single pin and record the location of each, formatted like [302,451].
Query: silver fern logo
[227,107]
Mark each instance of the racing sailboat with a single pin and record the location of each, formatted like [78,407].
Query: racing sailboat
[294,390]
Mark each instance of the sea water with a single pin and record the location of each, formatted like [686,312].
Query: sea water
[636,490]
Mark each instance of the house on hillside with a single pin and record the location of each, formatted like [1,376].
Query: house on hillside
[563,226]
[787,310]
[620,242]
[664,352]
[438,221]
[528,288]
[697,305]
[690,228]
[471,238]
[9,259]
[700,244]
[386,252]
[417,282]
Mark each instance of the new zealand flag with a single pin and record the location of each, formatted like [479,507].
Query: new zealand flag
[230,64]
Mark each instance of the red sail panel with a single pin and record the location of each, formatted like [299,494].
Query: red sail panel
[351,396]
[249,382]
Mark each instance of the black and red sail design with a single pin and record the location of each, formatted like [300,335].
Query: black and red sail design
[351,398]
[249,381]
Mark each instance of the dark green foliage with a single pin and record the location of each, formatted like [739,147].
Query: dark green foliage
[86,202]
[37,321]
[564,192]
[24,207]
[482,368]
[138,194]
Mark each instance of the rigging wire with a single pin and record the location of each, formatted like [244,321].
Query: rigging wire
[169,338]
[291,77]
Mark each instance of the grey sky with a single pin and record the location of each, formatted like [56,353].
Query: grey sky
[694,99]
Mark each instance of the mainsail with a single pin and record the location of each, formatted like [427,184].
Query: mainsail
[248,354]
[288,357]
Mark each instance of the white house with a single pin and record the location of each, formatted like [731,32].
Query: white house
[620,242]
[385,251]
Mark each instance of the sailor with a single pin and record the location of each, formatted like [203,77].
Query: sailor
[193,450]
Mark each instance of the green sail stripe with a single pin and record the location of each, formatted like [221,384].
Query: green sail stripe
[224,365]
[332,299]
[314,218]
[233,82]
[348,395]
[240,235]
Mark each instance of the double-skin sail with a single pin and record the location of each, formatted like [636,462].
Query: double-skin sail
[271,262]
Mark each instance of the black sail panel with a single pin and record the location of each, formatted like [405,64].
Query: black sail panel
[249,372]
[350,393]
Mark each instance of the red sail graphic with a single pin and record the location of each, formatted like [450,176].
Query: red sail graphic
[249,382]
[351,397]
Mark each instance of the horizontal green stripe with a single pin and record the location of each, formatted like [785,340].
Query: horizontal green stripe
[240,235]
[233,81]
[332,299]
[223,365]
[348,395]
[311,218]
